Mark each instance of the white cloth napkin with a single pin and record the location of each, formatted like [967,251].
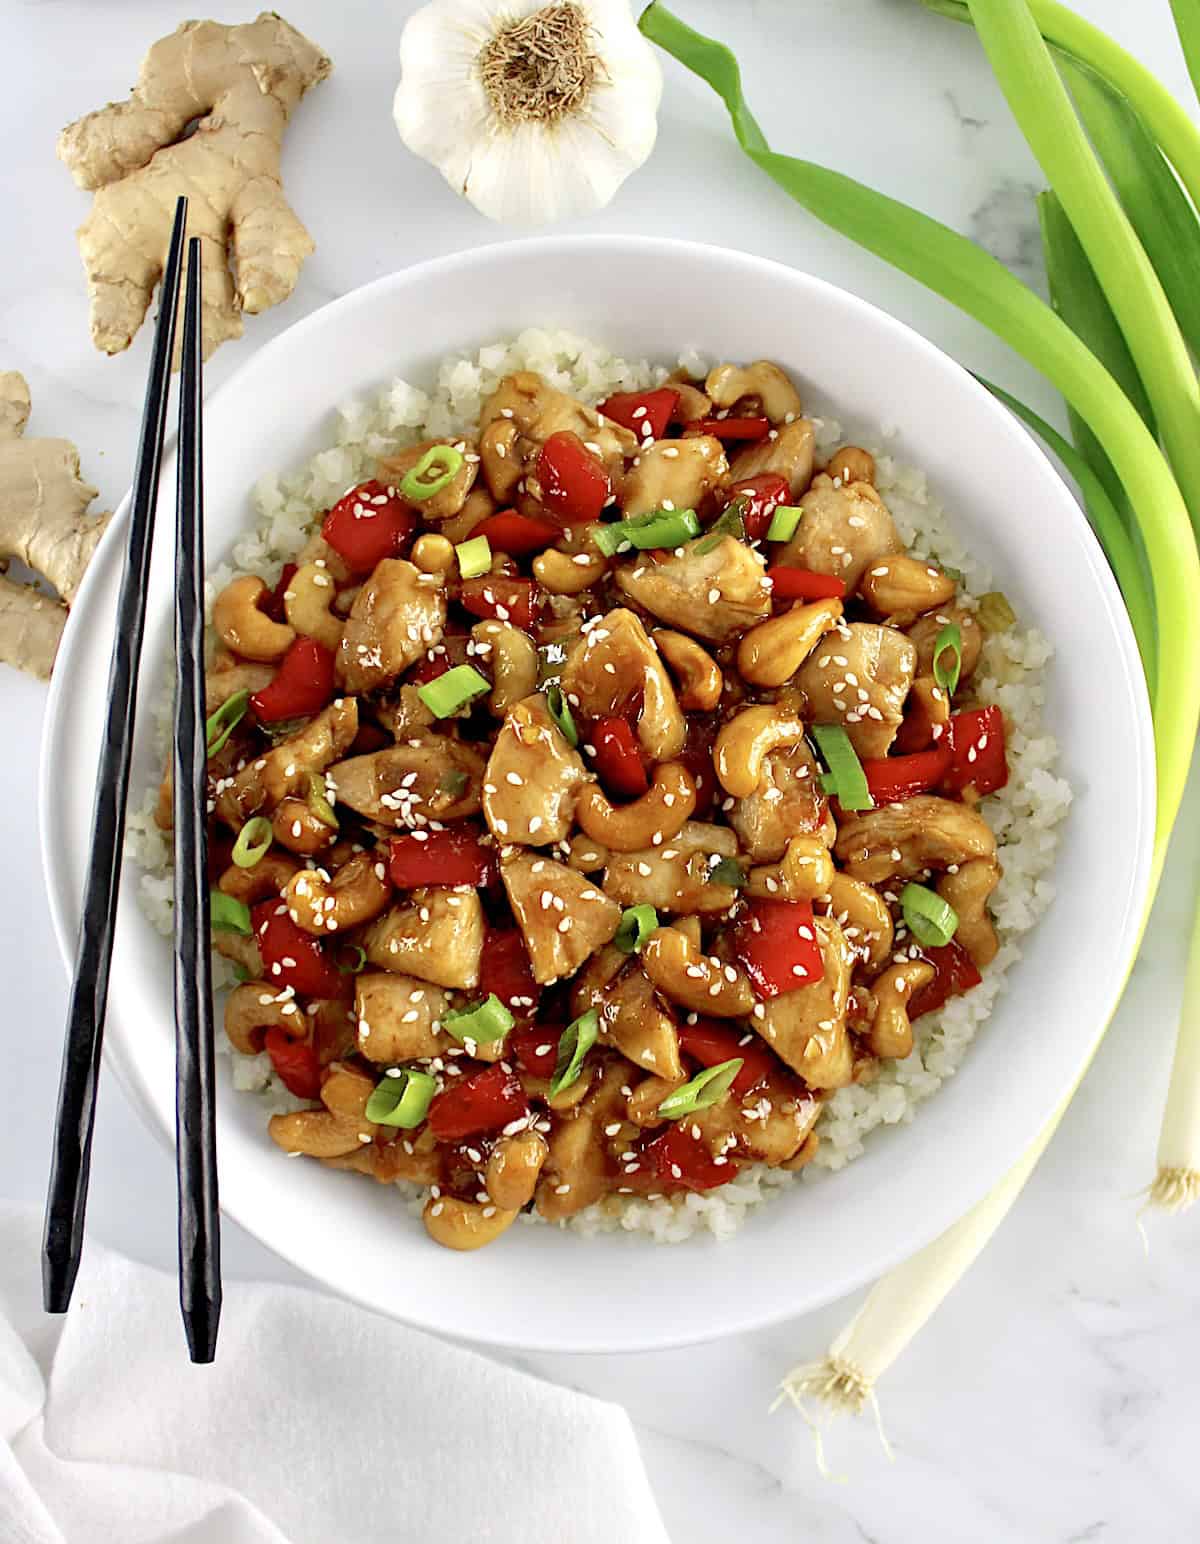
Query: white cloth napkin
[319,1423]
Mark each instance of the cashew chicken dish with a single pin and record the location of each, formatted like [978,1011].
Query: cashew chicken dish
[596,795]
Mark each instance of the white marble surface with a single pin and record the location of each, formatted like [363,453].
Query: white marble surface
[1053,1397]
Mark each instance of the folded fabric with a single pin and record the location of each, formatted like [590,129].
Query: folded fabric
[319,1423]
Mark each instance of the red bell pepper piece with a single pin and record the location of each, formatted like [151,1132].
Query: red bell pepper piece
[976,742]
[790,583]
[517,535]
[758,498]
[678,1158]
[647,413]
[575,487]
[295,1062]
[711,1043]
[734,428]
[505,970]
[954,972]
[274,604]
[618,760]
[777,943]
[303,684]
[892,778]
[511,600]
[450,857]
[536,1048]
[483,1102]
[292,957]
[367,525]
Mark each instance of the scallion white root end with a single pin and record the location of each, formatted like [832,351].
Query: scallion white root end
[1174,1190]
[840,1387]
[1177,1183]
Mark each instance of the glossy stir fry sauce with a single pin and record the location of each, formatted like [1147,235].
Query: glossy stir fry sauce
[593,796]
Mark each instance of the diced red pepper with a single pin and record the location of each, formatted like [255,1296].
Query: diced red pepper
[511,600]
[505,970]
[954,972]
[758,498]
[790,583]
[484,1102]
[647,413]
[517,535]
[678,1158]
[618,761]
[536,1048]
[711,1043]
[976,742]
[303,684]
[367,525]
[734,428]
[575,486]
[892,778]
[777,943]
[295,1062]
[450,857]
[274,604]
[292,957]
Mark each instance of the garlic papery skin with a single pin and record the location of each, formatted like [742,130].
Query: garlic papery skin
[533,111]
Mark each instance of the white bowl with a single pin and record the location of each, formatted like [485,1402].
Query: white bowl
[541,1287]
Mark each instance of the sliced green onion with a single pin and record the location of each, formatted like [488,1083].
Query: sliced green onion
[573,1045]
[318,800]
[229,915]
[401,1098]
[252,842]
[359,964]
[437,468]
[784,522]
[224,721]
[610,539]
[930,919]
[559,710]
[482,1022]
[453,782]
[731,523]
[474,557]
[657,528]
[725,871]
[635,927]
[994,613]
[452,691]
[948,641]
[845,780]
[705,1089]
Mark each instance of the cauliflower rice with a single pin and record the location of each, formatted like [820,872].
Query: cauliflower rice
[1024,815]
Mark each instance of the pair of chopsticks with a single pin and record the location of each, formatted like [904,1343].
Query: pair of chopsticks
[195,1116]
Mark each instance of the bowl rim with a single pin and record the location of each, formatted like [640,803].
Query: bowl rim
[942,1212]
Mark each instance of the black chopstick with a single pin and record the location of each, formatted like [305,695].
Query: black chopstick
[195,1107]
[66,1202]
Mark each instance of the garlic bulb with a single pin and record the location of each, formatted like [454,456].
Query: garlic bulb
[532,110]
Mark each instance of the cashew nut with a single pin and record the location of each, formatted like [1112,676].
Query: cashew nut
[448,500]
[772,652]
[852,464]
[967,890]
[804,1154]
[459,1224]
[243,627]
[864,918]
[698,982]
[433,554]
[693,403]
[514,663]
[306,602]
[803,873]
[904,586]
[696,673]
[692,929]
[503,464]
[339,1128]
[727,384]
[745,742]
[924,633]
[241,950]
[642,1107]
[260,883]
[585,855]
[300,829]
[513,1168]
[891,1033]
[253,1008]
[660,813]
[926,714]
[565,574]
[358,892]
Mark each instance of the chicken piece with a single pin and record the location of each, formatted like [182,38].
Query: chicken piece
[787,802]
[223,681]
[404,715]
[675,877]
[768,1125]
[563,916]
[788,454]
[284,770]
[842,532]
[428,777]
[714,592]
[397,617]
[859,675]
[447,501]
[613,664]
[533,777]
[924,632]
[807,1028]
[903,839]
[635,1019]
[673,474]
[413,1158]
[399,1017]
[579,1169]
[540,410]
[437,936]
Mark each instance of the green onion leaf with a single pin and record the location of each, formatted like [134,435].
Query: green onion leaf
[573,1045]
[725,871]
[482,1022]
[318,800]
[784,522]
[931,920]
[635,927]
[252,843]
[454,690]
[221,723]
[730,523]
[359,963]
[845,780]
[437,468]
[559,710]
[229,915]
[657,528]
[401,1098]
[474,557]
[705,1089]
[611,538]
[946,672]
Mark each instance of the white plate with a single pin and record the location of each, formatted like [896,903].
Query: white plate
[541,1287]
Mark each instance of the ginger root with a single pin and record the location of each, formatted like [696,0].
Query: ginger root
[234,88]
[43,503]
